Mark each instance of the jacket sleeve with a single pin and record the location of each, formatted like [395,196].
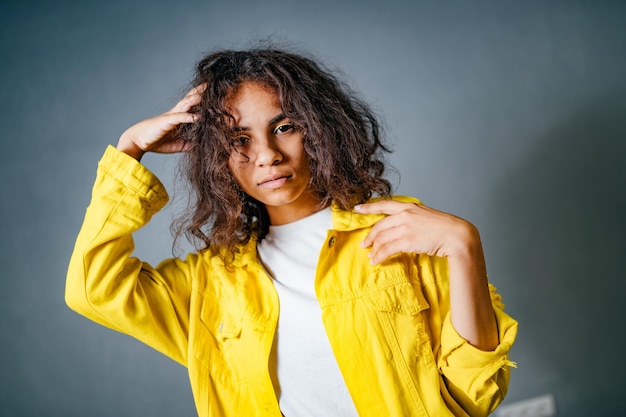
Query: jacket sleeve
[473,379]
[107,285]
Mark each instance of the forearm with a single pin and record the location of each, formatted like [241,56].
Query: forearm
[120,204]
[471,310]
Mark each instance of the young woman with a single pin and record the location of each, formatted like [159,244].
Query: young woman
[306,297]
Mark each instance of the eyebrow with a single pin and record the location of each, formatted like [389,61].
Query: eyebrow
[274,120]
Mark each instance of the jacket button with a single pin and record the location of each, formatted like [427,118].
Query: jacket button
[331,241]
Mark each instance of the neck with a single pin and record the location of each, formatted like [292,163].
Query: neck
[289,213]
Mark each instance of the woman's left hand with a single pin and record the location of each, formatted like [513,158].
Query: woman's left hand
[413,228]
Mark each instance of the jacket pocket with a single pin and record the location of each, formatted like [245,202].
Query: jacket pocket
[217,381]
[400,312]
[222,328]
[404,298]
[219,321]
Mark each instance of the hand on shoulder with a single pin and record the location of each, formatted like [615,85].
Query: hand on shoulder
[419,229]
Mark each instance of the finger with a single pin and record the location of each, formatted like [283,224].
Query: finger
[200,88]
[159,129]
[382,207]
[184,117]
[153,132]
[192,98]
[172,120]
[382,253]
[196,91]
[186,103]
[396,247]
[379,227]
[398,240]
[392,221]
[378,238]
[387,245]
[176,145]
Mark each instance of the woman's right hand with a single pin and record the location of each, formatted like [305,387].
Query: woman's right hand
[155,134]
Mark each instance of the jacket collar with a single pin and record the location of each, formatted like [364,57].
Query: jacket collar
[343,221]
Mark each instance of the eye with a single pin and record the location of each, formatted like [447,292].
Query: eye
[283,128]
[240,141]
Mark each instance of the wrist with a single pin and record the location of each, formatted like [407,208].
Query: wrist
[466,243]
[129,147]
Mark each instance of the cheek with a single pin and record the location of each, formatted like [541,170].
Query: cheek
[238,172]
[299,156]
[304,162]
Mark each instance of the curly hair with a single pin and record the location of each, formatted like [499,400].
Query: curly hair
[341,134]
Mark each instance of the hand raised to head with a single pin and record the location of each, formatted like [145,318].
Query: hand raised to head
[155,134]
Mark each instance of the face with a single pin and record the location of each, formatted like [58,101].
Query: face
[268,159]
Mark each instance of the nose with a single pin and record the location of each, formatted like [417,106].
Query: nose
[267,153]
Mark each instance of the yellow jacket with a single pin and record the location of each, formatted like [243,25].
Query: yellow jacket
[388,325]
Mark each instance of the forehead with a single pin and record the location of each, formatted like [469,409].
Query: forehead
[251,95]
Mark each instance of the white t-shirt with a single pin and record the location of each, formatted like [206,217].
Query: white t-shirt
[310,383]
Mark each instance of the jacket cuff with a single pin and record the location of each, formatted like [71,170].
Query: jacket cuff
[475,372]
[134,176]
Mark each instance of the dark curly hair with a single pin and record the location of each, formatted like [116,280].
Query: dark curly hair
[341,138]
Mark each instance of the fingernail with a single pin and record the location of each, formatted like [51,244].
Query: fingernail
[357,208]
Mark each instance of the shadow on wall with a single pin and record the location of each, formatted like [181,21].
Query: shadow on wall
[561,231]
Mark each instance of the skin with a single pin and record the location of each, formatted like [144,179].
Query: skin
[270,164]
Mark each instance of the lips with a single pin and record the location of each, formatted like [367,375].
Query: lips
[274,181]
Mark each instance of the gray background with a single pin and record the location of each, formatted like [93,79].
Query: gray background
[510,114]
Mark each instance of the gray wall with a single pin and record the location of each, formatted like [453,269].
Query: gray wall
[510,114]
